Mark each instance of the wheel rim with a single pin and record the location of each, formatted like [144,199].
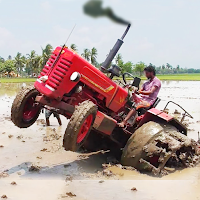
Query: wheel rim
[84,129]
[31,109]
[154,161]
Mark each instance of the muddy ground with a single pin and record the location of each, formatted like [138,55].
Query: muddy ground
[34,161]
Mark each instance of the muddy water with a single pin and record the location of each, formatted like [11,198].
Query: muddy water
[22,148]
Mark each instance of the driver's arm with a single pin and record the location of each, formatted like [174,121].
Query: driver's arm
[153,89]
[141,89]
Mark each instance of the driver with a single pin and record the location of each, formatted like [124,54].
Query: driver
[147,94]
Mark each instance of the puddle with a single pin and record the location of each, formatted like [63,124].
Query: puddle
[24,149]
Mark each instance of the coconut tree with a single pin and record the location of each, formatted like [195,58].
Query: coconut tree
[2,59]
[93,56]
[74,47]
[31,60]
[168,66]
[46,53]
[19,62]
[9,57]
[37,64]
[86,54]
[163,67]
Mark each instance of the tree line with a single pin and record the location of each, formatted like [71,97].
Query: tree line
[31,64]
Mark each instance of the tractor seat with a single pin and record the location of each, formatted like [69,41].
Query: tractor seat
[142,111]
[157,101]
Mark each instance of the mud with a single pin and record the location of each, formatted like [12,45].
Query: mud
[156,146]
[134,189]
[34,168]
[4,175]
[62,172]
[13,183]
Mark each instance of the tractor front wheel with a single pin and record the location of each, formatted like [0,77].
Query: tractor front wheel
[79,126]
[25,110]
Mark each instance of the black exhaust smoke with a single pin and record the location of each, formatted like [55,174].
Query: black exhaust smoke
[94,9]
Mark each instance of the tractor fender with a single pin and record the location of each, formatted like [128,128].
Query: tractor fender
[160,116]
[104,124]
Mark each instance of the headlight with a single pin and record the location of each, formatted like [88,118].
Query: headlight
[43,78]
[75,77]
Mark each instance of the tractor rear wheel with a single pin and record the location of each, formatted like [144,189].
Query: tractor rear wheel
[79,126]
[25,110]
[155,146]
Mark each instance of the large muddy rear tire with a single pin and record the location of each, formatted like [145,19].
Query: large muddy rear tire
[155,146]
[79,126]
[25,110]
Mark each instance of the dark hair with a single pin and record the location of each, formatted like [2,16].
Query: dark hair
[150,69]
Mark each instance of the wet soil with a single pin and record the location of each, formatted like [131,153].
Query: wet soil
[58,174]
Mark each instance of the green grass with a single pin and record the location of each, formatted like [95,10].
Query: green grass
[17,80]
[176,77]
[170,77]
[180,77]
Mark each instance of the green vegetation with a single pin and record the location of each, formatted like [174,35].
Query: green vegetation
[90,56]
[171,77]
[176,77]
[139,67]
[25,66]
[31,64]
[17,80]
[181,77]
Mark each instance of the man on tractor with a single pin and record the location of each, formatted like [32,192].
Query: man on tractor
[147,94]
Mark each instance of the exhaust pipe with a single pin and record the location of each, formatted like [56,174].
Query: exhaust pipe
[114,51]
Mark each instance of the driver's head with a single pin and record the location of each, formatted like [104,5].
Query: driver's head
[149,72]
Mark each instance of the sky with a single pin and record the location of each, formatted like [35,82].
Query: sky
[166,31]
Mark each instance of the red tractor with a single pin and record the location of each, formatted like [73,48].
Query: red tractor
[95,103]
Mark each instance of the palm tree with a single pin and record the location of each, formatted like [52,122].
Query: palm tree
[19,62]
[37,64]
[74,47]
[150,64]
[9,57]
[163,67]
[93,56]
[31,60]
[46,53]
[2,59]
[118,59]
[168,66]
[86,54]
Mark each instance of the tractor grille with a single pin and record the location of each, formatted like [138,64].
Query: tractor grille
[48,65]
[59,71]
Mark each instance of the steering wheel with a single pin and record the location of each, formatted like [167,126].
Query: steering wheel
[124,77]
